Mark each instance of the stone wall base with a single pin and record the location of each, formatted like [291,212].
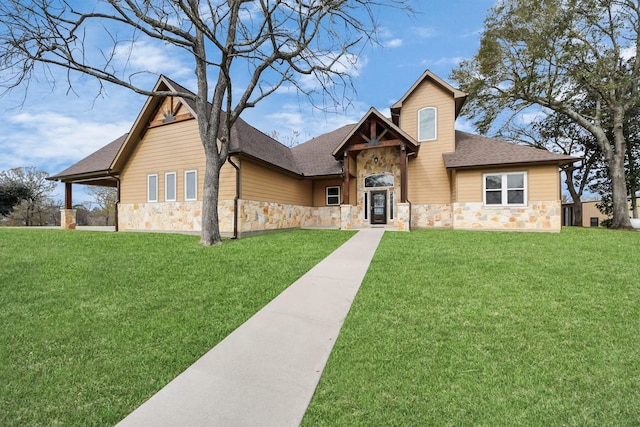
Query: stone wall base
[537,216]
[68,219]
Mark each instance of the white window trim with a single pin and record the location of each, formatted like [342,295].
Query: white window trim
[149,199]
[504,189]
[326,193]
[166,187]
[185,185]
[435,118]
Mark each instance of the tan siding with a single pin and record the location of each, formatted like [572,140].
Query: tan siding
[542,183]
[263,184]
[428,94]
[228,181]
[171,148]
[319,190]
[589,210]
[428,178]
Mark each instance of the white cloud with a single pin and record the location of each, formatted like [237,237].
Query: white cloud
[53,141]
[424,32]
[151,57]
[393,43]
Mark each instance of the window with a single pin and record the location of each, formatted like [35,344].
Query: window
[593,221]
[505,189]
[152,188]
[427,124]
[170,187]
[333,196]
[379,180]
[190,185]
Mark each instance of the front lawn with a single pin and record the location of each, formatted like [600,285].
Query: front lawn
[490,329]
[92,324]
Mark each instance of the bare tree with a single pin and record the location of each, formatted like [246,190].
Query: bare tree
[36,206]
[105,198]
[273,42]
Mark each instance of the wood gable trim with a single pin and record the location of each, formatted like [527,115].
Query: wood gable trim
[144,119]
[374,131]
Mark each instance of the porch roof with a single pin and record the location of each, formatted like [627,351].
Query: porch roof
[95,168]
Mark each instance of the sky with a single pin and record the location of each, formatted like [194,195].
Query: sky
[51,128]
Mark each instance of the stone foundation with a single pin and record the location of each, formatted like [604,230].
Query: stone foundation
[403,217]
[68,219]
[254,216]
[537,216]
[170,216]
[431,215]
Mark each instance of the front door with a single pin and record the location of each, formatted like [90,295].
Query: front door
[378,207]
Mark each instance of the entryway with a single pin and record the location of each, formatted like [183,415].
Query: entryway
[378,207]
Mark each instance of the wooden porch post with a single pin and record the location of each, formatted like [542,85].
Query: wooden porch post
[403,174]
[68,199]
[345,180]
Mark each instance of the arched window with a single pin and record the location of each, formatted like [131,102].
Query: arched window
[428,124]
[379,180]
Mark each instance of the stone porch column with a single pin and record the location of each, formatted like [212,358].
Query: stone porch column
[403,219]
[68,219]
[345,217]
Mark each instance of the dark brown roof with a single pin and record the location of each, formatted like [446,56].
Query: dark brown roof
[477,151]
[245,139]
[97,163]
[314,156]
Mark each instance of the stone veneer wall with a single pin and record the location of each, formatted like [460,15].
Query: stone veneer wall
[537,216]
[169,216]
[431,215]
[253,216]
[261,216]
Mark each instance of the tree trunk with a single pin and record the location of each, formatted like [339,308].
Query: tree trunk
[210,227]
[617,173]
[577,213]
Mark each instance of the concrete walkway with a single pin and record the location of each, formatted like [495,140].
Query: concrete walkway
[266,371]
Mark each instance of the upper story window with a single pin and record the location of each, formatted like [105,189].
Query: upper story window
[152,188]
[427,124]
[507,189]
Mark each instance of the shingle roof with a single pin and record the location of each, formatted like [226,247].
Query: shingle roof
[97,163]
[476,151]
[314,156]
[248,140]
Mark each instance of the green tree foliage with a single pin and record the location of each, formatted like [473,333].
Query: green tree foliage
[11,194]
[561,55]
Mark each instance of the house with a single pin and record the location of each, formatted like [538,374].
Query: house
[591,215]
[410,170]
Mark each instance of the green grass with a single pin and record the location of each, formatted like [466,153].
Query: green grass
[490,329]
[92,324]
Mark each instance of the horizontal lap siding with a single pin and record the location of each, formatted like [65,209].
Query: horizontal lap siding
[170,148]
[428,177]
[263,184]
[542,182]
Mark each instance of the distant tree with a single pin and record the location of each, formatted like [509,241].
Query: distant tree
[307,45]
[559,54]
[34,209]
[105,198]
[11,194]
